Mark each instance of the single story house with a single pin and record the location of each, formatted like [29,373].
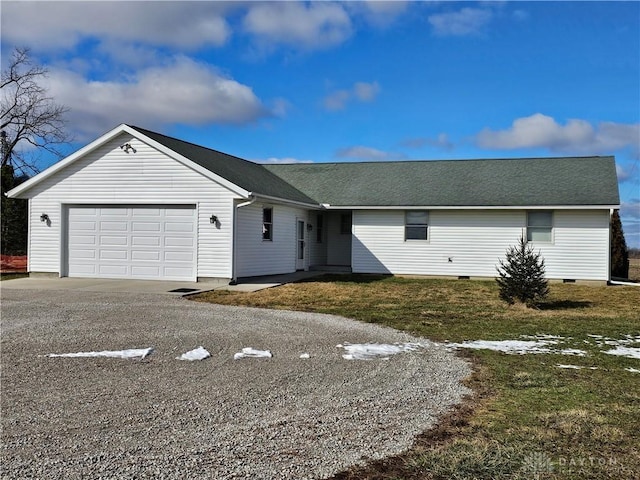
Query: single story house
[141,205]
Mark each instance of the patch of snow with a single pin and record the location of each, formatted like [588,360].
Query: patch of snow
[370,351]
[249,352]
[519,347]
[632,370]
[129,353]
[575,367]
[305,355]
[629,352]
[199,353]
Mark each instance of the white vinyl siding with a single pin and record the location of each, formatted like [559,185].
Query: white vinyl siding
[255,256]
[470,243]
[109,176]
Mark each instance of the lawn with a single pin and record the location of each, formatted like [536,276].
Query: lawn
[528,418]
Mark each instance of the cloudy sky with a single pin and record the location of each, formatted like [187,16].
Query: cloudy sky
[288,81]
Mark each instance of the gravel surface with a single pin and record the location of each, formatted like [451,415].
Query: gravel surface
[259,418]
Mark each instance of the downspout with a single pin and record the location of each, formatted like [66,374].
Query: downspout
[611,210]
[234,256]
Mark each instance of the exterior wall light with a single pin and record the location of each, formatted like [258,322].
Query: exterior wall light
[44,217]
[213,219]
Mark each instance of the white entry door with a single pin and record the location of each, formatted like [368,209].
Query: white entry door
[138,242]
[300,245]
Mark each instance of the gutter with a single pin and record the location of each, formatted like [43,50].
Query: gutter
[234,256]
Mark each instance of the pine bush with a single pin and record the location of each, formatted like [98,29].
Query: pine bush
[521,275]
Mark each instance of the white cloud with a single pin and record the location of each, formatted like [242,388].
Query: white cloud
[467,21]
[56,25]
[378,13]
[361,91]
[441,141]
[309,26]
[182,92]
[336,100]
[623,175]
[283,160]
[577,136]
[630,209]
[366,92]
[359,152]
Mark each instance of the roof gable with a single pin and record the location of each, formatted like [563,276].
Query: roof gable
[250,176]
[570,181]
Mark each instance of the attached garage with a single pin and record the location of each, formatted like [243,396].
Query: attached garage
[149,242]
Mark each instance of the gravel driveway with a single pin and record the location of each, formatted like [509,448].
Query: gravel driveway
[283,417]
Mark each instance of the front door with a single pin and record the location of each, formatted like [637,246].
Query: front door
[300,245]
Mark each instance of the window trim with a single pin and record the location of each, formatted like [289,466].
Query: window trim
[530,228]
[408,225]
[267,227]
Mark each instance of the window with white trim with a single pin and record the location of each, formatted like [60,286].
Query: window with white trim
[416,225]
[539,226]
[267,223]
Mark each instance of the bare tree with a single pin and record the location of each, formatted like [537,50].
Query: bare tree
[29,115]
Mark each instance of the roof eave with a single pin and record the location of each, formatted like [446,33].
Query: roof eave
[328,206]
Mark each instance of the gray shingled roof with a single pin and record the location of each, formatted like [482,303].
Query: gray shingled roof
[250,176]
[508,182]
[527,182]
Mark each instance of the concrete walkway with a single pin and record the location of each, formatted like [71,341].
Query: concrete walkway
[252,284]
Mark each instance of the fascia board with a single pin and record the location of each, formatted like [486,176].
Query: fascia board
[269,198]
[470,207]
[123,128]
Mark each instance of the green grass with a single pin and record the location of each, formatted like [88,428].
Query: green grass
[527,418]
[12,275]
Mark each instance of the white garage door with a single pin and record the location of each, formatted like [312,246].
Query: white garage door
[141,242]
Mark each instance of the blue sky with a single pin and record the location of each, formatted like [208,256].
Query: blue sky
[325,82]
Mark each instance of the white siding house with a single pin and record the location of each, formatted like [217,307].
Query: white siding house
[469,243]
[138,204]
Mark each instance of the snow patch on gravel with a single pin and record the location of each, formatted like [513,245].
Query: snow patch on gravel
[370,351]
[199,353]
[249,352]
[129,353]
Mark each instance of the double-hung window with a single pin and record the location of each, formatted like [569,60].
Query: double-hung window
[416,225]
[267,223]
[539,226]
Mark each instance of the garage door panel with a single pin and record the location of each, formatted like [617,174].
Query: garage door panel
[146,227]
[148,212]
[147,255]
[145,272]
[139,241]
[106,241]
[114,271]
[179,242]
[82,240]
[132,242]
[114,255]
[114,226]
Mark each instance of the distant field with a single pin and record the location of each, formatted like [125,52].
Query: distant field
[634,269]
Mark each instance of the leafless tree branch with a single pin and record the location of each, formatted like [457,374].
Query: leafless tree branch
[28,114]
